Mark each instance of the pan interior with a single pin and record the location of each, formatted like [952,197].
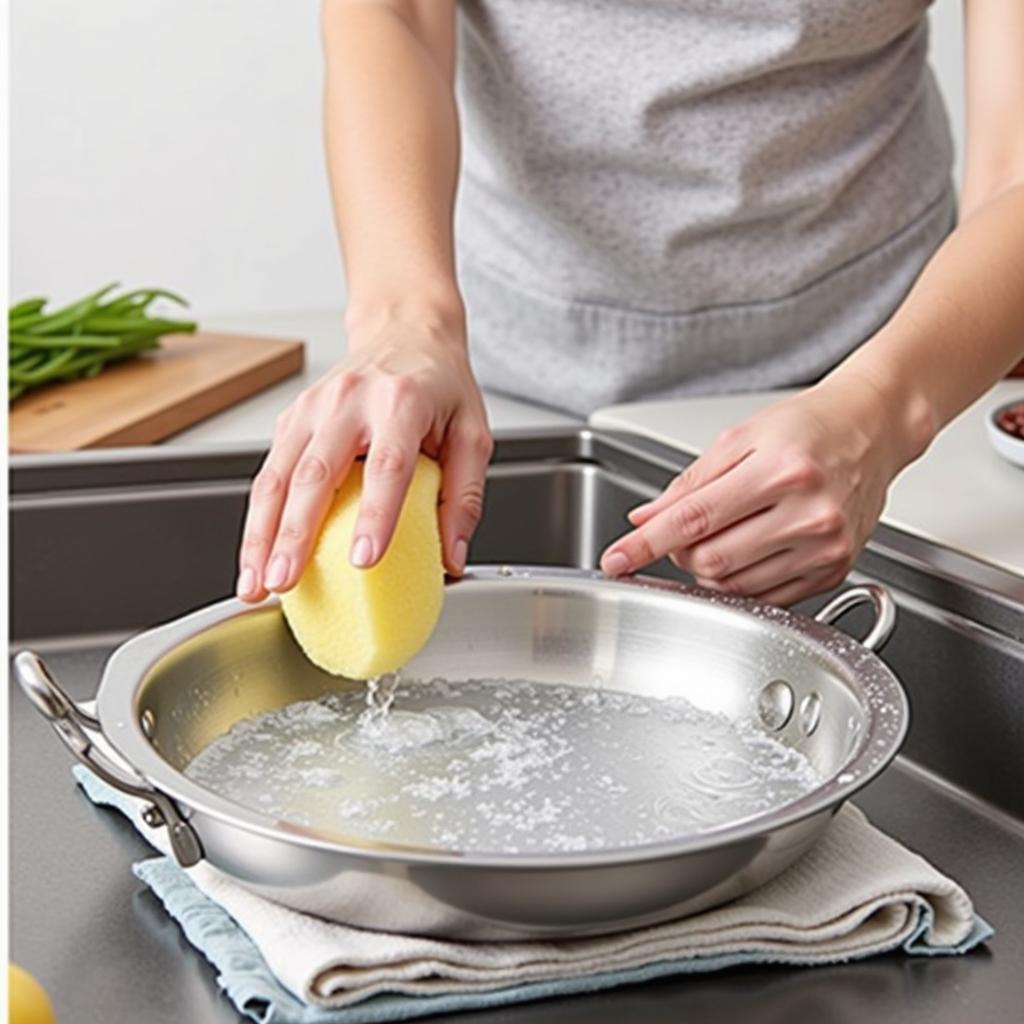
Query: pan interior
[597,715]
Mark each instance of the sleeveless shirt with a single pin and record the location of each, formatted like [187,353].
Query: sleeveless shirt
[671,197]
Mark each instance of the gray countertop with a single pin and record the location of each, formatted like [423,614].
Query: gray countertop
[106,951]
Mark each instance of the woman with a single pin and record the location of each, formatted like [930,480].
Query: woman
[658,197]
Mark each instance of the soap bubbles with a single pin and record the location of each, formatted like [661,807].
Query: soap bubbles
[502,766]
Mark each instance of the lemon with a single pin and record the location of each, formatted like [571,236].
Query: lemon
[361,623]
[27,1003]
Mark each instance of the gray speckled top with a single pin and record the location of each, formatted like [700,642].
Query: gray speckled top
[669,197]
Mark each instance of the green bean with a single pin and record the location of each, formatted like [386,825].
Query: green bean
[30,312]
[19,323]
[26,306]
[136,325]
[44,371]
[25,314]
[82,338]
[66,317]
[29,362]
[38,341]
[147,295]
[85,361]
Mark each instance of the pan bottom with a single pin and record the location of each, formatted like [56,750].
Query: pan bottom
[495,766]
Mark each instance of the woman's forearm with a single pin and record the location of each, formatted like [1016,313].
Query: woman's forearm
[958,331]
[778,506]
[392,149]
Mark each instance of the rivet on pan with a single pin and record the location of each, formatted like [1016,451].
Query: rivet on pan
[810,713]
[505,570]
[775,704]
[148,723]
[152,816]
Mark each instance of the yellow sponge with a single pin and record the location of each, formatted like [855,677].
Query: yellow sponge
[361,623]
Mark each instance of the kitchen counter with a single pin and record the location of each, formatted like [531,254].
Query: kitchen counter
[251,421]
[107,952]
[961,494]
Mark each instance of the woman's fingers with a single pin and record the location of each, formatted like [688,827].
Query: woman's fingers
[757,578]
[794,590]
[750,543]
[789,514]
[725,454]
[791,539]
[404,385]
[750,547]
[464,462]
[266,500]
[321,467]
[735,495]
[390,462]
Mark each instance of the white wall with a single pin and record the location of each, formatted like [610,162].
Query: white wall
[178,142]
[948,61]
[174,142]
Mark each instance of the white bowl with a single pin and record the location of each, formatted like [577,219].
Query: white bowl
[1010,447]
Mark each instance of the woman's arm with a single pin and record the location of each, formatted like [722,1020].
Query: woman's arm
[393,151]
[780,505]
[405,384]
[962,325]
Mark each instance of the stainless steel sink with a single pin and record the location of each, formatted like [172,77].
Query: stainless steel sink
[107,543]
[112,543]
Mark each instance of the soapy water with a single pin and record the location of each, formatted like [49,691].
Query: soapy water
[502,766]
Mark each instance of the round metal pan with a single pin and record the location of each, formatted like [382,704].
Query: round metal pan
[170,691]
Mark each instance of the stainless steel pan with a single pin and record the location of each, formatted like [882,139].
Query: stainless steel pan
[168,692]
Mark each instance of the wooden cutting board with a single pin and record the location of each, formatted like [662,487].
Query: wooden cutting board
[190,377]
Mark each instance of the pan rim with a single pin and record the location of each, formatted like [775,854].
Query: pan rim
[131,664]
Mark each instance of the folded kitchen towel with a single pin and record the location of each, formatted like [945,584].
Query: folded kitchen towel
[856,893]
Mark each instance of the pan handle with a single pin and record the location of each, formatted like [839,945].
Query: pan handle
[73,726]
[885,612]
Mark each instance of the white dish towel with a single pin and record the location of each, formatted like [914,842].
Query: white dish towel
[856,893]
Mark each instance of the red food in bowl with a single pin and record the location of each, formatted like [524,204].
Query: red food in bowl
[1012,420]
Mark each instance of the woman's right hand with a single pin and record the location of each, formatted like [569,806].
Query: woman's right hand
[401,389]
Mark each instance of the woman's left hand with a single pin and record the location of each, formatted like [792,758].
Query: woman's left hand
[780,505]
